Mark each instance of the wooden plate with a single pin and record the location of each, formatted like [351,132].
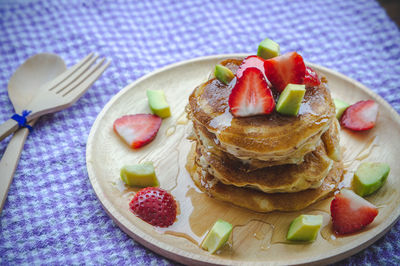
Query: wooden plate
[257,238]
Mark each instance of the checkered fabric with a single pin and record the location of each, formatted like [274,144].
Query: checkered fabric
[52,215]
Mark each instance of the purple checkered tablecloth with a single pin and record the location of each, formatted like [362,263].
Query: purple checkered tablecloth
[52,215]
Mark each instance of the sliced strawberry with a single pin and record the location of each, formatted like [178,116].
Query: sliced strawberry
[251,95]
[351,213]
[285,69]
[311,78]
[137,130]
[250,61]
[360,116]
[154,206]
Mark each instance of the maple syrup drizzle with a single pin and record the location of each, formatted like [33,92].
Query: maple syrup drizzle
[222,121]
[364,153]
[182,120]
[261,231]
[170,130]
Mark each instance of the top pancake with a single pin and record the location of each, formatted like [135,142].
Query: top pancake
[263,137]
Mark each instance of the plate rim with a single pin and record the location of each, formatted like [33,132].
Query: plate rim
[183,256]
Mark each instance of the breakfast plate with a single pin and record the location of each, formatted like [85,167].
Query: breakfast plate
[257,238]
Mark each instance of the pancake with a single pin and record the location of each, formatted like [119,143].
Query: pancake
[272,137]
[295,157]
[259,201]
[280,178]
[330,138]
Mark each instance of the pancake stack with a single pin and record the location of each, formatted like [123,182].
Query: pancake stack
[264,162]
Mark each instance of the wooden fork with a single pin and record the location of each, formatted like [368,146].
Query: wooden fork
[60,93]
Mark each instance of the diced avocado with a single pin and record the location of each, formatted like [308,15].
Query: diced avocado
[217,236]
[268,49]
[158,104]
[139,175]
[290,100]
[341,106]
[223,74]
[369,177]
[304,228]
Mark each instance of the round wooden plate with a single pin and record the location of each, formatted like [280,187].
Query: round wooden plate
[257,238]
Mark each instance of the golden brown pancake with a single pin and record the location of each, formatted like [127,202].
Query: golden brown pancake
[272,137]
[295,157]
[330,139]
[259,201]
[279,178]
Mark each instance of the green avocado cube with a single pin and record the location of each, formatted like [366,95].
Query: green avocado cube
[268,49]
[341,106]
[217,236]
[369,177]
[290,100]
[158,104]
[139,175]
[304,228]
[223,74]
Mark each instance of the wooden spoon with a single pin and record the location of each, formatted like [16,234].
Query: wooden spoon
[22,88]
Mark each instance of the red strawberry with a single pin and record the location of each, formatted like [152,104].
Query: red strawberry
[250,61]
[285,69]
[350,212]
[311,78]
[137,130]
[251,94]
[360,116]
[154,206]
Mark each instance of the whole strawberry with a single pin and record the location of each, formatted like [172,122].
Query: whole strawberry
[154,206]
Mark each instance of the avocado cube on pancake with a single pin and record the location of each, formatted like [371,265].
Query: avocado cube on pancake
[158,104]
[268,49]
[290,100]
[304,228]
[223,74]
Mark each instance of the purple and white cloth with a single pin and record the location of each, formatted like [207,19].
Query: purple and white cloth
[52,215]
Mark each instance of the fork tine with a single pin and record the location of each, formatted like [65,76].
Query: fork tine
[67,73]
[77,91]
[75,75]
[80,79]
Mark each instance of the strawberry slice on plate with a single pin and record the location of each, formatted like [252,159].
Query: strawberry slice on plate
[285,69]
[251,95]
[351,213]
[250,61]
[360,116]
[137,130]
[311,78]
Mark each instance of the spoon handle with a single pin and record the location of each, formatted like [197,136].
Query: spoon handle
[10,160]
[7,128]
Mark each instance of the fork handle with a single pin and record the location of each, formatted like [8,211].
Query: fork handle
[7,128]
